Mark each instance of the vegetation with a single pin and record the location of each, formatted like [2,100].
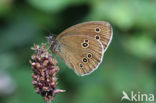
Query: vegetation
[129,63]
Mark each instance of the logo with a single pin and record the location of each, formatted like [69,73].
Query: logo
[137,97]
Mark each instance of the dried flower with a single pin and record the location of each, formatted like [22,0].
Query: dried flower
[44,73]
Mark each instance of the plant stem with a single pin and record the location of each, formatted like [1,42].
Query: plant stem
[48,102]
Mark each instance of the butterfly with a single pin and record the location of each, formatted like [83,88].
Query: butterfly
[82,46]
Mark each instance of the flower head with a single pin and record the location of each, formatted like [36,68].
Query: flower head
[44,73]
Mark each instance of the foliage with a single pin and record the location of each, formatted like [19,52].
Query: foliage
[129,63]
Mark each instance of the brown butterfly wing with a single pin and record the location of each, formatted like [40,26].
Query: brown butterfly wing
[99,30]
[81,53]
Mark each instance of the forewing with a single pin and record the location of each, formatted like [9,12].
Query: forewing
[99,30]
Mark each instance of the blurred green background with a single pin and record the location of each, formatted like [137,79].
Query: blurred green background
[129,63]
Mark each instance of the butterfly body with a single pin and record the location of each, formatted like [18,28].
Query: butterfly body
[82,46]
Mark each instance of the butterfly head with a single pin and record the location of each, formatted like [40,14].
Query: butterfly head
[52,42]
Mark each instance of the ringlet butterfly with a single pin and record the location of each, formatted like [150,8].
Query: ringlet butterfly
[82,46]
